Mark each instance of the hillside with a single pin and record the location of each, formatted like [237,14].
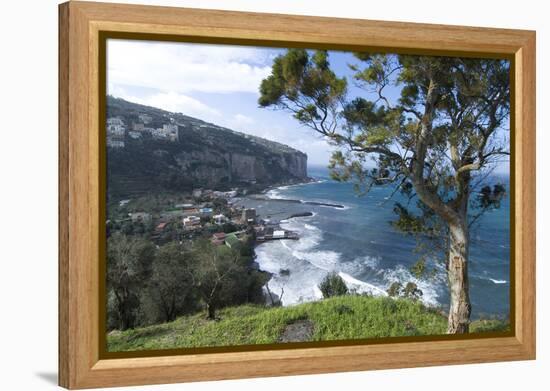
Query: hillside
[338,318]
[200,155]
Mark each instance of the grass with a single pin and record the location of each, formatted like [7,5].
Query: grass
[338,318]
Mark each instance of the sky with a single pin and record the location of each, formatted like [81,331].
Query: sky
[217,84]
[214,83]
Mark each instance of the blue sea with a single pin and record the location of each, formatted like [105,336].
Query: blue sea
[359,243]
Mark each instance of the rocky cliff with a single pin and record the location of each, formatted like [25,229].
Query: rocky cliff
[204,155]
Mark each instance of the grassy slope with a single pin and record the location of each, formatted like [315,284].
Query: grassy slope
[345,317]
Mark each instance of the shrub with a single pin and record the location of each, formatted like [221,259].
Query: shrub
[333,285]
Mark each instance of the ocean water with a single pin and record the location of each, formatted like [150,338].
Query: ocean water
[359,243]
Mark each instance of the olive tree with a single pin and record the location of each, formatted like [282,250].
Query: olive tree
[129,261]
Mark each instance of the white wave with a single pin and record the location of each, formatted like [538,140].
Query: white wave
[361,286]
[274,194]
[428,287]
[358,264]
[498,281]
[324,260]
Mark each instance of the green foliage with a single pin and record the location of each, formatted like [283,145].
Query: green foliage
[337,318]
[409,291]
[129,267]
[223,277]
[333,285]
[395,289]
[304,84]
[172,282]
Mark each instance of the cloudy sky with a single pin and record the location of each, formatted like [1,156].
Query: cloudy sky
[215,83]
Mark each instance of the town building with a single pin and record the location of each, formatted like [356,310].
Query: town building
[115,143]
[134,135]
[145,118]
[140,217]
[138,127]
[279,234]
[218,238]
[123,202]
[191,221]
[185,206]
[231,240]
[197,193]
[167,132]
[115,121]
[160,227]
[206,212]
[249,215]
[219,219]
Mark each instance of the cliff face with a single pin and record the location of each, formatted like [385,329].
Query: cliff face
[204,155]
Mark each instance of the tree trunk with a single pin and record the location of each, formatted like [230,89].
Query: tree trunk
[457,272]
[210,312]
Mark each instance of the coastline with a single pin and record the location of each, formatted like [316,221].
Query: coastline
[285,221]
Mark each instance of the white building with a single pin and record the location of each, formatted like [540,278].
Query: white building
[134,135]
[116,130]
[115,121]
[115,143]
[219,219]
[145,118]
[167,132]
[191,221]
[278,234]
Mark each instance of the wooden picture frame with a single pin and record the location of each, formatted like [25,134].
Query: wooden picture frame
[81,25]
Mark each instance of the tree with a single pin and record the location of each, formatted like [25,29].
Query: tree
[333,285]
[221,276]
[172,280]
[129,262]
[435,143]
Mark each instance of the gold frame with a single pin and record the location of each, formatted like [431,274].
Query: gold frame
[83,28]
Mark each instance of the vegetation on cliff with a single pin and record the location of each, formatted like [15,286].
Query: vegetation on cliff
[336,318]
[204,155]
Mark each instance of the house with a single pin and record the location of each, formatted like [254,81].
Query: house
[218,238]
[115,121]
[249,215]
[145,118]
[167,132]
[206,212]
[225,194]
[115,143]
[123,202]
[197,193]
[190,212]
[116,130]
[191,221]
[138,127]
[161,226]
[134,135]
[185,206]
[140,216]
[231,241]
[219,219]
[279,234]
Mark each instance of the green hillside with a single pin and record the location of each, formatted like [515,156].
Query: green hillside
[338,318]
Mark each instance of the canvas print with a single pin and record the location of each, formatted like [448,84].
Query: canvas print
[260,196]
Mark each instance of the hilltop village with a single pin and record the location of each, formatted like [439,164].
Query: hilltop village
[117,130]
[203,213]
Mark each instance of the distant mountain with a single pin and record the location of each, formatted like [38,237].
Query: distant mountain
[197,154]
